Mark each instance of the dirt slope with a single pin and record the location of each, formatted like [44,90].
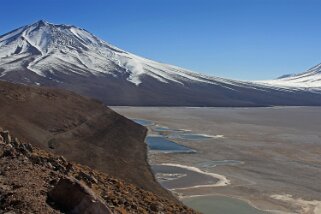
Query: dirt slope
[28,176]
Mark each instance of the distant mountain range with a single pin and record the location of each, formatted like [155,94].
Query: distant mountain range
[72,58]
[311,79]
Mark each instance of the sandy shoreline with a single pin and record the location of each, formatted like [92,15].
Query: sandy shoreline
[221,179]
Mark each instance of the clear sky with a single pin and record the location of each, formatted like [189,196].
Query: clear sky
[239,39]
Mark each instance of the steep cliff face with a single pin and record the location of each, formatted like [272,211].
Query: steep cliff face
[35,181]
[81,129]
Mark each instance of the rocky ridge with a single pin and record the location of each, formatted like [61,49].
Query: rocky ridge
[35,181]
[82,130]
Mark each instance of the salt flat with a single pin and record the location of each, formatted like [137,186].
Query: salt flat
[279,148]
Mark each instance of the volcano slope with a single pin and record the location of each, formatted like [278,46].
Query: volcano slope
[79,128]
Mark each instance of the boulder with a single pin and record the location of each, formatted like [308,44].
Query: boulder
[62,159]
[69,168]
[72,196]
[9,151]
[29,147]
[15,142]
[87,177]
[6,136]
[22,148]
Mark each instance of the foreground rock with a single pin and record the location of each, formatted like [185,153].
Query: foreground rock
[75,197]
[35,181]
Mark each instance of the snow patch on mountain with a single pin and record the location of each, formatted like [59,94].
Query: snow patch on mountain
[309,79]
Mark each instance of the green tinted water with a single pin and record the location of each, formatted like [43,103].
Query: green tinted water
[220,205]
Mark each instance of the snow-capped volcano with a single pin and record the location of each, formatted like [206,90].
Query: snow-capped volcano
[72,58]
[48,47]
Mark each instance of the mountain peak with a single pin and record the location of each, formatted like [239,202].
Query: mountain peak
[42,22]
[46,37]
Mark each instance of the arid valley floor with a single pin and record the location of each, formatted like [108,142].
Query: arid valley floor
[276,153]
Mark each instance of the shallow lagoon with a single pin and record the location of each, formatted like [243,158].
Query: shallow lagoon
[162,144]
[172,177]
[220,204]
[214,163]
[189,136]
[143,122]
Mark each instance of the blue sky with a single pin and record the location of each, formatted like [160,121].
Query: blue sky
[239,39]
